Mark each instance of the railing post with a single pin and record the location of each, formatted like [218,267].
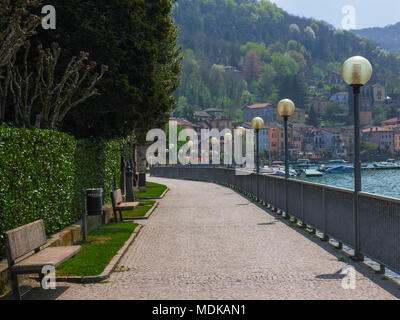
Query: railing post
[303,224]
[325,235]
[287,216]
[274,197]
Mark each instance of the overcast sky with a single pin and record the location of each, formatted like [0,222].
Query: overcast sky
[369,13]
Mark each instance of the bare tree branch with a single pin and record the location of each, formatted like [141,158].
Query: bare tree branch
[20,26]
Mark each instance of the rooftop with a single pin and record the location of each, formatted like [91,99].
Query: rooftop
[212,110]
[393,120]
[260,106]
[378,129]
[184,123]
[202,114]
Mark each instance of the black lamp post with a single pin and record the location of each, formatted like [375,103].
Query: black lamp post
[257,123]
[285,109]
[356,72]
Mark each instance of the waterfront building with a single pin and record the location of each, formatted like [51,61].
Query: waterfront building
[397,140]
[329,139]
[262,110]
[382,136]
[263,137]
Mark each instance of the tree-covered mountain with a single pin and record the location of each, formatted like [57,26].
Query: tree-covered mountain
[243,51]
[388,37]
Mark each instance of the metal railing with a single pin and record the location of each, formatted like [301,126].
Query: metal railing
[325,208]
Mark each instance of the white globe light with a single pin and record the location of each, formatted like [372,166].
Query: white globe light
[286,108]
[257,123]
[356,71]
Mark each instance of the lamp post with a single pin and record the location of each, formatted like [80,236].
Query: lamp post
[257,123]
[285,110]
[356,72]
[214,142]
[228,139]
[240,133]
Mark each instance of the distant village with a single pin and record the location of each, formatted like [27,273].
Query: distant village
[307,141]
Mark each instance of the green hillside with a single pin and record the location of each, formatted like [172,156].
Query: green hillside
[388,37]
[243,51]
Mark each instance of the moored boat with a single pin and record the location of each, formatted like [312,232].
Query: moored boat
[313,173]
[340,169]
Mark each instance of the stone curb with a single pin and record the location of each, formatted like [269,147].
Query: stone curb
[148,214]
[109,269]
[159,198]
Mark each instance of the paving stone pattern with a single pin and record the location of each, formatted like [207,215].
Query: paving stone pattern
[206,241]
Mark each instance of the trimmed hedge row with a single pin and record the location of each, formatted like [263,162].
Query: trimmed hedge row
[42,173]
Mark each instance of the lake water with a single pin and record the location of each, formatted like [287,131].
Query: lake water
[380,182]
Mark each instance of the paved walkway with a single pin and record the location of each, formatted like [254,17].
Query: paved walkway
[207,242]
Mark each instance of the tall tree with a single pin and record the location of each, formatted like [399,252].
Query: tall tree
[251,67]
[137,41]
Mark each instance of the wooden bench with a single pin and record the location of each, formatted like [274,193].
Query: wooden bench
[25,239]
[119,206]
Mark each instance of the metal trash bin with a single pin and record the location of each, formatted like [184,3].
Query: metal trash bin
[94,202]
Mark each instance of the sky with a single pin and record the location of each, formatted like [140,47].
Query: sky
[368,13]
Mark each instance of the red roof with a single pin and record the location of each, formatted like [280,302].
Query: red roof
[260,106]
[393,120]
[184,123]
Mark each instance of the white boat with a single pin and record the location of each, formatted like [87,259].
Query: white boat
[268,170]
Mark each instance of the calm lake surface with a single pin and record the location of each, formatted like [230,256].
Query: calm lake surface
[380,182]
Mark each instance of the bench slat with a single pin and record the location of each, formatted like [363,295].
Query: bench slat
[25,239]
[127,205]
[52,256]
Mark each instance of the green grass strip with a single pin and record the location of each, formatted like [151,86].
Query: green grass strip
[153,191]
[101,246]
[140,210]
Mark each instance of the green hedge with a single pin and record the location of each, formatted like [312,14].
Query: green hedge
[42,173]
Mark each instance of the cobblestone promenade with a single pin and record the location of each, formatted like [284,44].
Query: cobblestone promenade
[208,242]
